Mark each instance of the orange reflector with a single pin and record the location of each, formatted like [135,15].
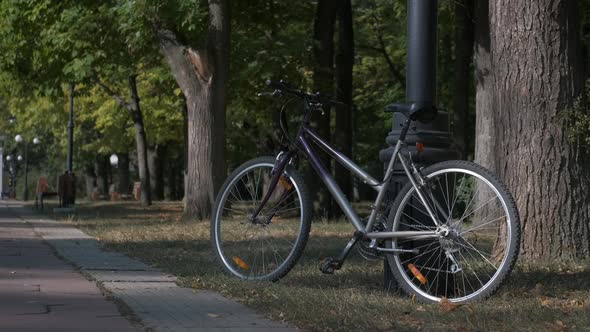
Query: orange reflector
[417,273]
[285,183]
[419,146]
[240,263]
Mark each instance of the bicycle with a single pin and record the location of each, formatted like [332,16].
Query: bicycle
[437,242]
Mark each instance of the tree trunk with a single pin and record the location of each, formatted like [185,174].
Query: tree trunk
[484,110]
[343,74]
[100,169]
[323,81]
[185,149]
[123,170]
[134,110]
[172,171]
[141,143]
[90,180]
[462,83]
[536,70]
[156,155]
[202,76]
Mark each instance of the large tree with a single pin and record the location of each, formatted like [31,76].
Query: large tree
[462,84]
[536,71]
[332,74]
[323,81]
[200,67]
[344,61]
[484,121]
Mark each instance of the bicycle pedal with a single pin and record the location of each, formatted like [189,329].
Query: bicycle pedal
[329,265]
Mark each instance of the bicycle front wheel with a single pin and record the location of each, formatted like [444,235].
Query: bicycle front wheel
[268,246]
[480,240]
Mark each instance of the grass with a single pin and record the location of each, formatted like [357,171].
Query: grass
[546,297]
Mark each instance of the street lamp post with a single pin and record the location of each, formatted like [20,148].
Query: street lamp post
[11,164]
[11,174]
[20,139]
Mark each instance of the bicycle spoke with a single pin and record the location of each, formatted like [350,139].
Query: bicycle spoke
[481,225]
[257,248]
[465,259]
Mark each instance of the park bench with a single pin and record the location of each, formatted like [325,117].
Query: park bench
[41,192]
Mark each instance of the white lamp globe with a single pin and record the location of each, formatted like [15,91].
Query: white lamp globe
[36,140]
[18,138]
[114,159]
[19,158]
[9,157]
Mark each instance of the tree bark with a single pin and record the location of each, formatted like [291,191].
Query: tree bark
[134,110]
[156,155]
[173,169]
[90,179]
[202,76]
[462,85]
[323,81]
[141,143]
[536,71]
[184,110]
[343,125]
[102,180]
[484,110]
[123,171]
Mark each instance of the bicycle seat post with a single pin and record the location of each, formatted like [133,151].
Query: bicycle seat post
[404,132]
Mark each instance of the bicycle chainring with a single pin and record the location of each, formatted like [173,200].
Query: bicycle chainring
[363,245]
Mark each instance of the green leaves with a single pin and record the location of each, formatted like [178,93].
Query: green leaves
[577,119]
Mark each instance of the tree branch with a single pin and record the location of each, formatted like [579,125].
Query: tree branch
[176,55]
[395,72]
[120,101]
[392,68]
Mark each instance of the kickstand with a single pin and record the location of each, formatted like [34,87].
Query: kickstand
[331,264]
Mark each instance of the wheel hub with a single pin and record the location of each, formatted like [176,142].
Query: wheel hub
[449,238]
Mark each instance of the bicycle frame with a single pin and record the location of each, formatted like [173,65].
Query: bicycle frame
[303,139]
[305,134]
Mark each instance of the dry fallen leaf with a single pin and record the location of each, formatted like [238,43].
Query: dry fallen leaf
[213,315]
[447,306]
[538,290]
[558,326]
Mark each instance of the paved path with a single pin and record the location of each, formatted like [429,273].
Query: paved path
[39,292]
[152,295]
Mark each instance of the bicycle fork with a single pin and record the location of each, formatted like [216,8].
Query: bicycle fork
[281,163]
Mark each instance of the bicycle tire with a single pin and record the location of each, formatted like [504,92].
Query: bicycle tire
[413,271]
[237,257]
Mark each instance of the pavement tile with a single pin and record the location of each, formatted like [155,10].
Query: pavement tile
[39,292]
[152,294]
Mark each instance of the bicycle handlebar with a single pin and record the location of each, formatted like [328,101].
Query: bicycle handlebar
[284,87]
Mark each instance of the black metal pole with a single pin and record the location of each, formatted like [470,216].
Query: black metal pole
[421,51]
[420,88]
[26,189]
[70,130]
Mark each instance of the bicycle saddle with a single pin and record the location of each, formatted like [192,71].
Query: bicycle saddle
[423,112]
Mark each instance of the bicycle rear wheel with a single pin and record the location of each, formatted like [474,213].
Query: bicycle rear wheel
[268,246]
[475,257]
